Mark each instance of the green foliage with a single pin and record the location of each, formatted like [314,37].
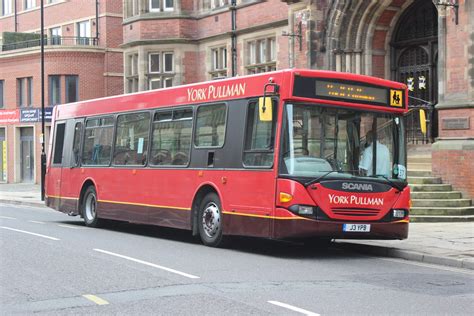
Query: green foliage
[16,37]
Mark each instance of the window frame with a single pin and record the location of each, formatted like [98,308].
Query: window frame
[66,91]
[151,80]
[150,7]
[166,8]
[173,110]
[150,71]
[50,90]
[7,7]
[164,62]
[55,39]
[24,91]
[275,105]
[2,94]
[261,54]
[29,4]
[195,135]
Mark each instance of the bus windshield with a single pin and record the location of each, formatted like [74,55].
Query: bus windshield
[319,140]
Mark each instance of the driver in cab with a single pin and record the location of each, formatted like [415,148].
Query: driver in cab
[383,158]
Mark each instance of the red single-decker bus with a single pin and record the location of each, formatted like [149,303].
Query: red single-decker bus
[286,154]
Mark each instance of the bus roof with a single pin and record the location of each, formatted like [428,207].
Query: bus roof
[222,90]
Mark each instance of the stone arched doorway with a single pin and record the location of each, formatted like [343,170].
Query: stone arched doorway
[414,60]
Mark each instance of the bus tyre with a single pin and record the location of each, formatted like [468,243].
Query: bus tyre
[210,221]
[89,208]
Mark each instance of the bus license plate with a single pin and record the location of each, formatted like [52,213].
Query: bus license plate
[356,228]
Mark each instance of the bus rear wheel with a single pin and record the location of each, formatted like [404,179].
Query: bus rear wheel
[89,208]
[210,221]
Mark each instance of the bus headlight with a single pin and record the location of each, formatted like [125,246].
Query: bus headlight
[302,209]
[305,210]
[397,213]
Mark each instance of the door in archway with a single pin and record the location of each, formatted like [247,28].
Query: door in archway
[414,60]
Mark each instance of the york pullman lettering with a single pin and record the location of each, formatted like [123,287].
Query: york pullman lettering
[355,200]
[216,92]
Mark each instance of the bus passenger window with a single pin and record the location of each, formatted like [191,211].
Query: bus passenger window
[259,139]
[59,143]
[210,125]
[171,141]
[98,141]
[131,143]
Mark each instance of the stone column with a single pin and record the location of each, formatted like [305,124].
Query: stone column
[453,150]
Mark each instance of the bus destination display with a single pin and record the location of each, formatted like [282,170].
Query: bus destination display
[350,92]
[347,91]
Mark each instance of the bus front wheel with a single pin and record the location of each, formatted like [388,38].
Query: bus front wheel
[89,208]
[210,220]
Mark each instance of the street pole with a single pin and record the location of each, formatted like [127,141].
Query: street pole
[43,154]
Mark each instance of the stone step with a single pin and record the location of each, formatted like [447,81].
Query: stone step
[419,166]
[419,159]
[441,203]
[442,211]
[440,219]
[431,187]
[424,180]
[419,173]
[436,195]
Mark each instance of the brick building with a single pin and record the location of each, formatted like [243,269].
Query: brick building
[172,42]
[83,60]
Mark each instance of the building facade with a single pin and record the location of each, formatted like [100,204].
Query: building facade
[427,44]
[82,60]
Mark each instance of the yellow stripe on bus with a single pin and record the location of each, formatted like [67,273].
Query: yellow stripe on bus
[266,216]
[151,205]
[62,197]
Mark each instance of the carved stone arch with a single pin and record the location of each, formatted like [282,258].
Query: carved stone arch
[336,18]
[370,23]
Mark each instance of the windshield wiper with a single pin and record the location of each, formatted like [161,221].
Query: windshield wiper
[393,184]
[319,178]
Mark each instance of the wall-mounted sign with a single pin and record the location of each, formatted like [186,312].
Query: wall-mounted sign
[9,116]
[29,115]
[455,123]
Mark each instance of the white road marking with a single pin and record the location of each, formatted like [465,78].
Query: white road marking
[95,299]
[293,308]
[7,217]
[37,222]
[29,233]
[429,265]
[70,226]
[148,264]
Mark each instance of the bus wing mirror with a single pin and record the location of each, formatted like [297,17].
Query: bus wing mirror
[265,109]
[423,121]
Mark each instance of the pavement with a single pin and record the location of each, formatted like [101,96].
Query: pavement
[448,244]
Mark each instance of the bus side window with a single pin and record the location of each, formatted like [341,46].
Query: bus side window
[98,141]
[210,125]
[131,142]
[59,143]
[259,138]
[76,145]
[171,137]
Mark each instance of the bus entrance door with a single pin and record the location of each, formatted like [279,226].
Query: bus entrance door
[70,173]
